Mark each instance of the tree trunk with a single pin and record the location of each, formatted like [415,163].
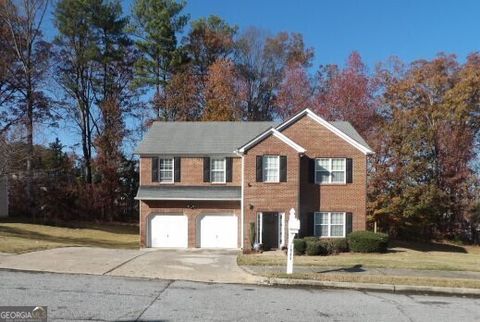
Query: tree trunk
[29,128]
[86,147]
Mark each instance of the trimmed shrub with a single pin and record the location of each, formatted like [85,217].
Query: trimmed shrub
[334,246]
[310,238]
[367,242]
[299,246]
[314,247]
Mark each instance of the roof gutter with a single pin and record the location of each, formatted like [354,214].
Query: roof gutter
[187,199]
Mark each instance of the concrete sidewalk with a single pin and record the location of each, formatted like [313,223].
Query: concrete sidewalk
[194,265]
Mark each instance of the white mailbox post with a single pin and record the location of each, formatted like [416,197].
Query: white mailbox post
[293,228]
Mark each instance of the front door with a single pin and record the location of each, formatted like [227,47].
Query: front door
[270,230]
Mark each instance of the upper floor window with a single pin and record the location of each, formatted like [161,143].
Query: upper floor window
[218,170]
[329,224]
[330,170]
[165,167]
[271,168]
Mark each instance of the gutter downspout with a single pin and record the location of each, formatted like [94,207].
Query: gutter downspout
[242,215]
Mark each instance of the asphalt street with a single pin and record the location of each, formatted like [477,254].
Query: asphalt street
[107,298]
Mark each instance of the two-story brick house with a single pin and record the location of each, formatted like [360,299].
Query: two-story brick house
[207,184]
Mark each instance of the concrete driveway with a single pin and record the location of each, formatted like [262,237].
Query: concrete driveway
[193,264]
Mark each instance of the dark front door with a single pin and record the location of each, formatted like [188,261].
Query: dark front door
[270,230]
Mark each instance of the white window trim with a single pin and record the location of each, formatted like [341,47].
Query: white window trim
[277,180]
[330,161]
[329,224]
[224,170]
[173,170]
[259,228]
[278,135]
[281,235]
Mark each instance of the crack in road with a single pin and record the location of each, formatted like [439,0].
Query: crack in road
[397,305]
[155,299]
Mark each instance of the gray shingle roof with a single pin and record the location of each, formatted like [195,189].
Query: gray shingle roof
[189,193]
[349,130]
[210,138]
[199,137]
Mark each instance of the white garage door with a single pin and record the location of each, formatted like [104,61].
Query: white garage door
[219,231]
[169,231]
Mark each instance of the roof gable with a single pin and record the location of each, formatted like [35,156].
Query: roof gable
[342,129]
[275,133]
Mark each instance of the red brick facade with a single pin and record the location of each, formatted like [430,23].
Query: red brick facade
[297,192]
[194,210]
[191,174]
[321,142]
[269,197]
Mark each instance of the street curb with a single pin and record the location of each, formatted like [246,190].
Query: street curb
[258,281]
[274,281]
[376,287]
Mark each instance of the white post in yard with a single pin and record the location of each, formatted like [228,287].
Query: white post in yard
[293,228]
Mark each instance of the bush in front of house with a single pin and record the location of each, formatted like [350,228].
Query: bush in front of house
[299,246]
[314,246]
[334,246]
[367,242]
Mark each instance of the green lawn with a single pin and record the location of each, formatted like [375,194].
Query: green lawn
[21,236]
[402,255]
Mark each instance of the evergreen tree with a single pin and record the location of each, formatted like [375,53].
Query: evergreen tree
[155,24]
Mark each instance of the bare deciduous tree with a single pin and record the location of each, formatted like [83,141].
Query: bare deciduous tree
[30,53]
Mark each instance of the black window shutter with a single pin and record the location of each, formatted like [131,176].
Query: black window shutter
[311,170]
[349,170]
[349,223]
[283,168]
[178,169]
[206,169]
[229,165]
[259,168]
[155,169]
[308,228]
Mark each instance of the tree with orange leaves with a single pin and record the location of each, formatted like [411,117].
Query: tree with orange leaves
[223,93]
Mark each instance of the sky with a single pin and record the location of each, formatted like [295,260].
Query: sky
[376,29]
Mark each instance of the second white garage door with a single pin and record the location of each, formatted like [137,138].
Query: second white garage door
[219,231]
[169,231]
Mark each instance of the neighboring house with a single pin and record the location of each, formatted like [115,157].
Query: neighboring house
[205,184]
[3,196]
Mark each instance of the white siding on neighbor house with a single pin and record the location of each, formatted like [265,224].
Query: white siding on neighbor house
[3,197]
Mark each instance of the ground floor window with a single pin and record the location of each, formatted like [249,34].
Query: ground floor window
[329,224]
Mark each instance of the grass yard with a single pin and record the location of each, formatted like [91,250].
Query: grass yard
[402,255]
[382,279]
[21,237]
